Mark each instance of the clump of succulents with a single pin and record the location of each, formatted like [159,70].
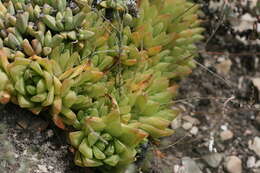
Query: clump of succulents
[109,81]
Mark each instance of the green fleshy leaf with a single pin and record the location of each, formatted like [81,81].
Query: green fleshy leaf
[98,153]
[85,149]
[76,138]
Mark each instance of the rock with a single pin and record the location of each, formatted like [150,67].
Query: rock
[187,125]
[22,123]
[191,119]
[176,168]
[257,164]
[176,123]
[132,168]
[223,67]
[233,164]
[256,82]
[251,161]
[50,168]
[208,170]
[256,170]
[257,119]
[190,166]
[194,130]
[50,133]
[226,135]
[245,22]
[213,159]
[42,168]
[224,127]
[248,132]
[255,145]
[39,125]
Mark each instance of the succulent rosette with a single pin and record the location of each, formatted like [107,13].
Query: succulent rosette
[73,83]
[33,82]
[151,106]
[106,141]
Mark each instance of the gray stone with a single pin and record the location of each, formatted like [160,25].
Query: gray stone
[256,170]
[190,166]
[251,162]
[257,119]
[255,145]
[50,133]
[194,130]
[233,164]
[213,159]
[176,123]
[50,168]
[256,82]
[42,168]
[223,67]
[190,119]
[257,164]
[187,126]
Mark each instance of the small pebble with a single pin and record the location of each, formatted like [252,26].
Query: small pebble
[22,124]
[176,168]
[251,161]
[176,123]
[226,135]
[50,167]
[191,119]
[257,164]
[255,145]
[257,106]
[256,82]
[194,130]
[248,132]
[224,127]
[208,170]
[50,133]
[223,67]
[257,119]
[42,168]
[16,155]
[213,159]
[256,170]
[190,166]
[233,164]
[187,125]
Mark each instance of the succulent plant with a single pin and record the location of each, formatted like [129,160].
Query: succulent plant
[109,81]
[4,83]
[36,27]
[106,141]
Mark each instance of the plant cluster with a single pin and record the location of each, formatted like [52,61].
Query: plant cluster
[106,80]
